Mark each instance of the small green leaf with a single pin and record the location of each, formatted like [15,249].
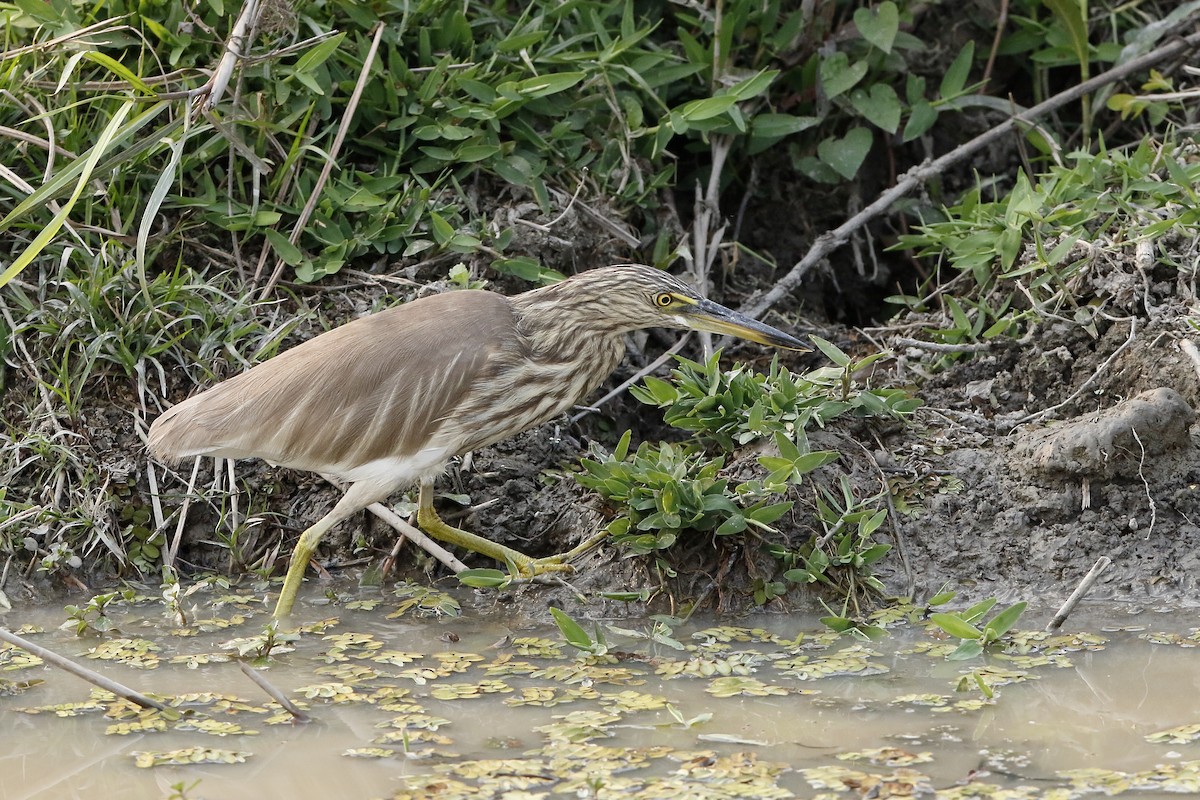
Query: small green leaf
[316,55]
[1074,18]
[623,446]
[288,252]
[956,626]
[707,108]
[810,461]
[941,599]
[571,630]
[471,153]
[627,597]
[735,524]
[548,84]
[920,120]
[839,76]
[754,85]
[768,514]
[483,578]
[879,26]
[831,351]
[1000,624]
[442,230]
[844,156]
[966,650]
[800,576]
[955,78]
[769,128]
[880,105]
[978,610]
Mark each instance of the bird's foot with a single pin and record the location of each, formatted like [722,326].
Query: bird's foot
[561,563]
[551,565]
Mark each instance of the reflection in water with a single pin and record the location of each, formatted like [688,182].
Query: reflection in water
[409,705]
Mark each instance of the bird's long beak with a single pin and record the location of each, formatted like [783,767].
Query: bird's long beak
[705,315]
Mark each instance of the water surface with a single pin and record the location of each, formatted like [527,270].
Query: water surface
[429,705]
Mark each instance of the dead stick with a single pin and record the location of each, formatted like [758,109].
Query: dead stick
[64,663]
[408,531]
[276,695]
[1085,586]
[831,240]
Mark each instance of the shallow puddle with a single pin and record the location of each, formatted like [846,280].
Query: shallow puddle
[426,704]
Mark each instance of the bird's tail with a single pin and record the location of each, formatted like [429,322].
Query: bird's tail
[171,440]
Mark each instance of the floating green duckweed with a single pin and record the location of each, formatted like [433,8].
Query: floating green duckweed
[187,756]
[739,663]
[737,685]
[14,658]
[536,647]
[369,752]
[332,693]
[580,726]
[852,660]
[1191,639]
[887,757]
[1183,734]
[66,709]
[9,688]
[550,696]
[139,653]
[902,782]
[461,691]
[424,601]
[151,725]
[1180,778]
[396,658]
[704,693]
[214,727]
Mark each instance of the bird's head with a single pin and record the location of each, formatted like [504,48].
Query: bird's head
[631,296]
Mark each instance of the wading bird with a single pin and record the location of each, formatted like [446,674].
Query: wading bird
[389,399]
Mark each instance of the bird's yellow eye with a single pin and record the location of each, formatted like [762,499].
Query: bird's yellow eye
[663,300]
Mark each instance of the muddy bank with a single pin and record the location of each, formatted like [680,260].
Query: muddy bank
[1031,458]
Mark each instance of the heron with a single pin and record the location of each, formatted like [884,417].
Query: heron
[389,399]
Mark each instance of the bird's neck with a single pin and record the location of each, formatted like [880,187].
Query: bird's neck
[552,320]
[559,326]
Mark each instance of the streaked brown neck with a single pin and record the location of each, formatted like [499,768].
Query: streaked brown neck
[563,325]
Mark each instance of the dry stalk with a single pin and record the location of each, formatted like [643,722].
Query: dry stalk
[79,671]
[831,240]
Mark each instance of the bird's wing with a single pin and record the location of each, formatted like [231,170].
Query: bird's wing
[373,388]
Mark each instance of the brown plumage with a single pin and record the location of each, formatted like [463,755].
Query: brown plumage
[387,400]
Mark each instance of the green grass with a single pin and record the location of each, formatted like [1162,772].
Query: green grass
[1025,256]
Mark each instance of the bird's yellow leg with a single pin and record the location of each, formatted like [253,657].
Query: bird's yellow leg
[432,524]
[305,549]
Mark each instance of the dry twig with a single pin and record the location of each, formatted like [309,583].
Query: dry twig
[1080,592]
[831,240]
[79,671]
[274,693]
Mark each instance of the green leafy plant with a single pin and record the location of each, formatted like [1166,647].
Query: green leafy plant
[93,317]
[576,636]
[735,407]
[976,639]
[843,623]
[663,490]
[846,550]
[93,617]
[660,491]
[1026,255]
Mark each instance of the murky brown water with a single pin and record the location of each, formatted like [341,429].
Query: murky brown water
[530,718]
